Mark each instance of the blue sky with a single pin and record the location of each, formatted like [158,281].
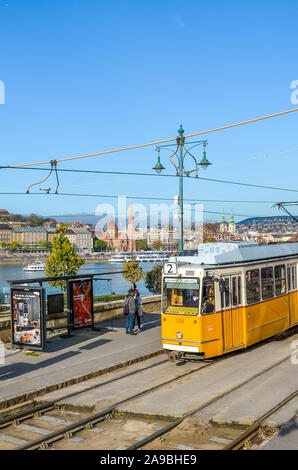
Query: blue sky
[84,76]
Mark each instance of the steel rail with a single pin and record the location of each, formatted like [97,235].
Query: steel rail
[171,426]
[28,413]
[76,426]
[92,419]
[239,442]
[25,414]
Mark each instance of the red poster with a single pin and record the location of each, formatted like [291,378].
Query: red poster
[82,303]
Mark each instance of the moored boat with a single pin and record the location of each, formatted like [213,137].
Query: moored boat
[36,266]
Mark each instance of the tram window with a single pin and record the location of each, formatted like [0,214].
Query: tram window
[239,291]
[183,297]
[234,291]
[280,280]
[179,294]
[253,286]
[294,283]
[208,305]
[225,296]
[267,283]
[289,278]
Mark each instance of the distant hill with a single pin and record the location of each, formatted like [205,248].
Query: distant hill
[84,218]
[280,219]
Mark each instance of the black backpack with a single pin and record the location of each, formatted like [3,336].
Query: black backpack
[125,308]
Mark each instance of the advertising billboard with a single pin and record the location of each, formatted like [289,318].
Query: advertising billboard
[28,317]
[81,302]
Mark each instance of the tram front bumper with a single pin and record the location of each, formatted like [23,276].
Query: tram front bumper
[177,347]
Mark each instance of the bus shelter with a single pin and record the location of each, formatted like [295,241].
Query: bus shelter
[30,305]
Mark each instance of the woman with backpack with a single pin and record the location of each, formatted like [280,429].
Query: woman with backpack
[129,310]
[139,312]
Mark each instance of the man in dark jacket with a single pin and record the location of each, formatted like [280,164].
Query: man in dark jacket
[131,303]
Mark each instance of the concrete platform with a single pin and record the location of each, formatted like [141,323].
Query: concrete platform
[287,438]
[242,407]
[87,352]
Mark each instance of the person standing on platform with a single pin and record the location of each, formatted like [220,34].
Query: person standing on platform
[131,307]
[138,310]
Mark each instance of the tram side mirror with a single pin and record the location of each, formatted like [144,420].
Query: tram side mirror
[222,285]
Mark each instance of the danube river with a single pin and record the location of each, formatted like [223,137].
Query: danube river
[116,284]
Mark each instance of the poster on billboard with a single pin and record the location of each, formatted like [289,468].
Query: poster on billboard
[81,302]
[28,317]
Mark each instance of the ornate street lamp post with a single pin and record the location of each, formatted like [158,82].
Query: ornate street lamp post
[181,152]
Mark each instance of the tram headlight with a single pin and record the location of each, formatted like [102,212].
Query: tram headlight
[179,335]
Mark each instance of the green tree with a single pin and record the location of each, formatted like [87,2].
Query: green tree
[63,261]
[157,245]
[100,245]
[13,246]
[132,272]
[45,244]
[153,279]
[141,245]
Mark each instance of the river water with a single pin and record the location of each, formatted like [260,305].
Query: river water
[117,283]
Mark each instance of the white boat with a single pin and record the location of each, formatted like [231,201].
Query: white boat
[37,266]
[142,257]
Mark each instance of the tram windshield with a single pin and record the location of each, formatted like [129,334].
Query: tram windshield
[181,296]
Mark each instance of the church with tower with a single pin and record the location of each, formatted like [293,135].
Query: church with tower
[121,240]
[226,229]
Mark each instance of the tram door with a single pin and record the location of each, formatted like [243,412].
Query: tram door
[292,288]
[232,317]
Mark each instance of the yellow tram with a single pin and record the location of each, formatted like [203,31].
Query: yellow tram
[228,297]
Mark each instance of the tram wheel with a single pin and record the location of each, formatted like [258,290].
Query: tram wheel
[172,356]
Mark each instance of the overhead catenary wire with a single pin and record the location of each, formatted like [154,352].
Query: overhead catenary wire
[157,176]
[106,152]
[128,197]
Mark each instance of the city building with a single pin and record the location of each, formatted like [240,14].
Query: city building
[223,225]
[3,212]
[5,233]
[84,240]
[29,236]
[227,231]
[70,234]
[232,225]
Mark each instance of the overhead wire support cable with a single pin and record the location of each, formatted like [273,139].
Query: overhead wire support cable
[160,141]
[281,205]
[155,175]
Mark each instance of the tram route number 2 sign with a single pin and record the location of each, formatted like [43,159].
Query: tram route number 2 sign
[170,268]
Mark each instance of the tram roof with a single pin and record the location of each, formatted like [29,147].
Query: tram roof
[238,252]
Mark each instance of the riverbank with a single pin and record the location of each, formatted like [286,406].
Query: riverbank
[27,258]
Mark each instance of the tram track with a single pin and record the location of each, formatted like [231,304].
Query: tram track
[90,422]
[255,431]
[149,439]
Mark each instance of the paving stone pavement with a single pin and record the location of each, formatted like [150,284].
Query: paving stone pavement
[84,352]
